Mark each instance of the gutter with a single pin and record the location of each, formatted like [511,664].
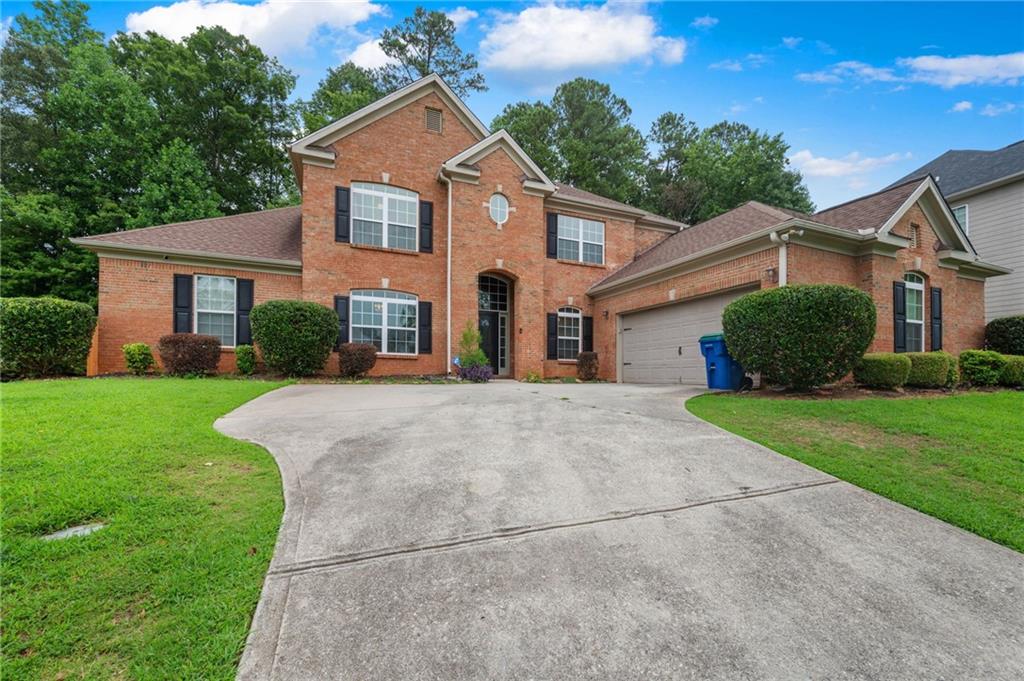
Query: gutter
[782,241]
[448,277]
[91,244]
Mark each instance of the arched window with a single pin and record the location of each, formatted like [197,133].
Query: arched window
[383,215]
[498,208]
[914,292]
[384,319]
[569,322]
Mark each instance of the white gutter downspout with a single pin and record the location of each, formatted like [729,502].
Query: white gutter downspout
[448,278]
[783,241]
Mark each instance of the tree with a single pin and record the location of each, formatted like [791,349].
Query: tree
[422,44]
[175,187]
[226,99]
[532,125]
[343,90]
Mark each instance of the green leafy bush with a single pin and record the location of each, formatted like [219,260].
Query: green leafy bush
[1005,335]
[800,336]
[356,359]
[189,354]
[138,357]
[952,371]
[886,370]
[295,337]
[1013,373]
[44,337]
[928,369]
[245,360]
[532,377]
[981,367]
[470,353]
[586,366]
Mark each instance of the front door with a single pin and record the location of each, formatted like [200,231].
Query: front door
[489,335]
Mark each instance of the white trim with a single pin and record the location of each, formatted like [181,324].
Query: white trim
[490,208]
[570,312]
[580,240]
[386,301]
[928,184]
[457,164]
[916,285]
[111,249]
[234,308]
[384,221]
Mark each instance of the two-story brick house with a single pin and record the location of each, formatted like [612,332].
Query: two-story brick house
[416,220]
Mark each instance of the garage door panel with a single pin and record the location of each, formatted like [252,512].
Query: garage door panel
[661,345]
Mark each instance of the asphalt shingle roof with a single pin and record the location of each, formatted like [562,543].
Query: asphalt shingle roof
[570,192]
[867,212]
[961,169]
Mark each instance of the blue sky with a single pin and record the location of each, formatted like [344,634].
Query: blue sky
[863,93]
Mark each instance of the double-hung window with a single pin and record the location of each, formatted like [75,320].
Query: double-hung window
[385,216]
[569,321]
[386,320]
[215,307]
[915,311]
[580,240]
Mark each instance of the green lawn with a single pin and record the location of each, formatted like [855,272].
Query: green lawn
[167,590]
[959,458]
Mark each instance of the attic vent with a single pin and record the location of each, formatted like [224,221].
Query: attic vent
[433,118]
[914,231]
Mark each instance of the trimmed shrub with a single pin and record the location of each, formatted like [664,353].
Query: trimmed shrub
[981,367]
[295,337]
[44,337]
[245,359]
[138,357]
[356,359]
[1013,373]
[189,354]
[886,370]
[1005,335]
[586,366]
[800,336]
[952,372]
[928,369]
[476,374]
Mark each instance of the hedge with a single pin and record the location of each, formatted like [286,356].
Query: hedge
[138,358]
[929,369]
[1005,335]
[800,336]
[356,359]
[586,366]
[44,337]
[1013,373]
[245,360]
[885,370]
[189,354]
[295,337]
[981,367]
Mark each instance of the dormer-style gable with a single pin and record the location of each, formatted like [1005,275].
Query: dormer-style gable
[462,167]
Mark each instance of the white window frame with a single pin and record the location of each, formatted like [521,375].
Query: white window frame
[386,301]
[491,211]
[196,310]
[572,313]
[913,281]
[580,240]
[380,191]
[966,226]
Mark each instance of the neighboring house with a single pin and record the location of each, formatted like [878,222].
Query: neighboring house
[415,221]
[986,192]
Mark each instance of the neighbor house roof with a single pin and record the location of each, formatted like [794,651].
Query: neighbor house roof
[270,236]
[960,170]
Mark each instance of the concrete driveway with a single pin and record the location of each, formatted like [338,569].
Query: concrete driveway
[554,531]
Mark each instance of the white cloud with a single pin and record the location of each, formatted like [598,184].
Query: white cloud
[758,100]
[726,65]
[999,109]
[277,26]
[554,38]
[705,21]
[756,60]
[818,77]
[851,164]
[973,69]
[461,16]
[962,106]
[736,108]
[792,42]
[824,47]
[369,55]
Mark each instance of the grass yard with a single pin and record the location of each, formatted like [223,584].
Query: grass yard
[167,590]
[959,458]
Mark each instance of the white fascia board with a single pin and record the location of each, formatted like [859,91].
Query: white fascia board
[153,253]
[502,139]
[928,186]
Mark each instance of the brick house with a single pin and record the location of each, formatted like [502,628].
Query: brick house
[416,220]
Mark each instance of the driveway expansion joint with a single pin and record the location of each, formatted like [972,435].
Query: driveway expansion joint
[341,561]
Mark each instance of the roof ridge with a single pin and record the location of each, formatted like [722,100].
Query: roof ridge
[189,222]
[919,179]
[766,208]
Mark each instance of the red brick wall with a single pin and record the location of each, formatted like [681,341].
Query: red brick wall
[645,238]
[136,303]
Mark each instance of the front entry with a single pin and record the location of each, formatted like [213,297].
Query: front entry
[493,297]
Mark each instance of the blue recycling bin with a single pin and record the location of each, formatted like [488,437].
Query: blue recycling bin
[723,372]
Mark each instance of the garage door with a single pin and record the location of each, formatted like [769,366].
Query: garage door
[660,345]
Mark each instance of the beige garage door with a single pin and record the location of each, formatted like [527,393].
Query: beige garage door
[660,345]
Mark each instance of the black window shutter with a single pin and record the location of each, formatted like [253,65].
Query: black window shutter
[552,235]
[899,316]
[182,303]
[552,335]
[342,212]
[936,329]
[244,293]
[341,307]
[588,334]
[426,227]
[425,325]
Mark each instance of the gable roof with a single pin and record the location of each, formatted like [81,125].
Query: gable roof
[570,194]
[464,162]
[272,237]
[867,212]
[960,170]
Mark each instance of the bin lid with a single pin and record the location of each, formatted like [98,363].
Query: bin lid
[712,337]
